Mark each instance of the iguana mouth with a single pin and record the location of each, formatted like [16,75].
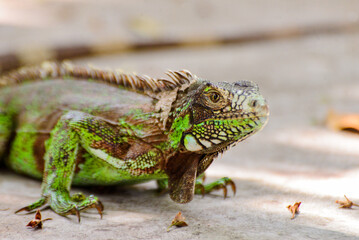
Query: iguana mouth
[239,116]
[216,134]
[221,147]
[263,111]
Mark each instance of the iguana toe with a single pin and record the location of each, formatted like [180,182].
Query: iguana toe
[39,203]
[75,205]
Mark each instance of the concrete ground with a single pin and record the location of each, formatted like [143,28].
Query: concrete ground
[294,158]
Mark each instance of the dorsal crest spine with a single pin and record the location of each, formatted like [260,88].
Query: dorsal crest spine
[134,82]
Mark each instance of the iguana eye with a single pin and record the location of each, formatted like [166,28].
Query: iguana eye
[214,97]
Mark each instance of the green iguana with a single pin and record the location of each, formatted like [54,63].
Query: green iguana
[72,125]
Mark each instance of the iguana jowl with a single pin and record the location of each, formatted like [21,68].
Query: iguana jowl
[84,126]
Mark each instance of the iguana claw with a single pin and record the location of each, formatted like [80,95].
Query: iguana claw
[224,187]
[82,204]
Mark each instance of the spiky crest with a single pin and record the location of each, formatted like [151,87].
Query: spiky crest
[141,84]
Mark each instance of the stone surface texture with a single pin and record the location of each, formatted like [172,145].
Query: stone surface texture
[295,157]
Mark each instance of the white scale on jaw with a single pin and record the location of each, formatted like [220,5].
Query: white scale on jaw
[216,141]
[192,144]
[206,143]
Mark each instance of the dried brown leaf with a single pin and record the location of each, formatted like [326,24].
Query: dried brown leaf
[38,215]
[294,209]
[346,204]
[339,122]
[37,222]
[178,221]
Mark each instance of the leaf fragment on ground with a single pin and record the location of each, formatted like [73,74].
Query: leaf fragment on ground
[347,203]
[37,223]
[348,121]
[294,209]
[178,221]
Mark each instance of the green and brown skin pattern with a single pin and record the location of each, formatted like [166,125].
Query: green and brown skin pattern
[72,125]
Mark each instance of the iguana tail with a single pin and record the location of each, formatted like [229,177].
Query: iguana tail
[142,84]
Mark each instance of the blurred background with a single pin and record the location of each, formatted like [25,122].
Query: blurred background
[303,54]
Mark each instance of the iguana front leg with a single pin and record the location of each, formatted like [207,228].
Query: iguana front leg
[60,161]
[202,188]
[221,183]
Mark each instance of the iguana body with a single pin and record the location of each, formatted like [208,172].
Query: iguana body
[82,126]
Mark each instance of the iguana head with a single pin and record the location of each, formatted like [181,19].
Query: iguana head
[222,114]
[210,118]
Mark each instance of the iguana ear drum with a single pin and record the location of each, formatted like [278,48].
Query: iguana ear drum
[199,113]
